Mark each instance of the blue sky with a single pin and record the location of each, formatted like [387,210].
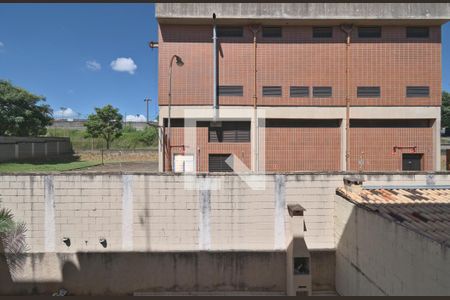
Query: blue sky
[66,52]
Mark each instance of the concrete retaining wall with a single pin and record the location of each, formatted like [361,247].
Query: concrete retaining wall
[29,148]
[144,214]
[126,273]
[375,256]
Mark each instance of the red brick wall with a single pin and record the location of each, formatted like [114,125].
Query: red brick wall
[375,146]
[302,149]
[318,149]
[392,62]
[241,150]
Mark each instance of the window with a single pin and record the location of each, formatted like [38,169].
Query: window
[229,31]
[299,91]
[417,91]
[417,32]
[368,92]
[302,123]
[217,163]
[322,32]
[322,92]
[301,265]
[390,123]
[271,31]
[272,91]
[369,32]
[229,132]
[412,162]
[230,90]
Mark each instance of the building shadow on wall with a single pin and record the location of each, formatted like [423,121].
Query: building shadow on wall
[369,243]
[125,273]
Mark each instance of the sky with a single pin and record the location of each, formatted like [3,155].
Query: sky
[81,56]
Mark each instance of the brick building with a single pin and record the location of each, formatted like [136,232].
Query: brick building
[301,87]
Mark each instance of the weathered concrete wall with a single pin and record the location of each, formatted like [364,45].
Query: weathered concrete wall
[306,11]
[28,148]
[142,214]
[125,273]
[375,256]
[323,270]
[158,212]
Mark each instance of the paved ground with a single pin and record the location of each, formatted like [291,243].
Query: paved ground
[130,166]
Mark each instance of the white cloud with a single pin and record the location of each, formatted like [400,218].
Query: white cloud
[123,64]
[66,113]
[93,65]
[135,118]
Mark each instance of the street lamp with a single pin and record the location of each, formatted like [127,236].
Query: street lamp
[179,63]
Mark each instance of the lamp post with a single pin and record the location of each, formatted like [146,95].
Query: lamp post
[179,63]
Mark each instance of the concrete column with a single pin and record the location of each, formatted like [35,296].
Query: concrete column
[45,149]
[280,206]
[343,144]
[160,143]
[298,280]
[32,150]
[437,142]
[254,158]
[57,148]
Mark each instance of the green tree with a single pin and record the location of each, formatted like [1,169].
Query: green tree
[22,113]
[445,110]
[106,123]
[149,136]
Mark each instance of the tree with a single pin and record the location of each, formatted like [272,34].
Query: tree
[445,110]
[105,123]
[21,113]
[12,240]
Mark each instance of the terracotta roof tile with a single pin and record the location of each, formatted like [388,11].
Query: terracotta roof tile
[426,211]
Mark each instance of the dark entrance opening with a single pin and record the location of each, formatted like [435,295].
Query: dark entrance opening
[217,163]
[412,162]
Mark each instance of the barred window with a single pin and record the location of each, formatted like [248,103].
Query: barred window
[322,91]
[230,31]
[417,91]
[322,32]
[230,90]
[272,91]
[369,32]
[299,91]
[417,32]
[368,92]
[271,31]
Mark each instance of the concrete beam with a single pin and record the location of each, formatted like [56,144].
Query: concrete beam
[437,13]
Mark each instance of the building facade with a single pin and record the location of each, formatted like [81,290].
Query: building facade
[300,87]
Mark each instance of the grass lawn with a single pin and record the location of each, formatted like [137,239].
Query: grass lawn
[45,166]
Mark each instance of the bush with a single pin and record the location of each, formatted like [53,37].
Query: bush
[131,139]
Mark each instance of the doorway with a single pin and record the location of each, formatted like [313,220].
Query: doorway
[412,162]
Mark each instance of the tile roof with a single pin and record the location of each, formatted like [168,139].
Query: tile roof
[423,210]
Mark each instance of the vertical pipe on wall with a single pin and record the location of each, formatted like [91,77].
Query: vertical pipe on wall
[255,99]
[215,105]
[347,28]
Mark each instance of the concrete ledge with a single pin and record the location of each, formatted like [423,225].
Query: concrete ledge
[170,12]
